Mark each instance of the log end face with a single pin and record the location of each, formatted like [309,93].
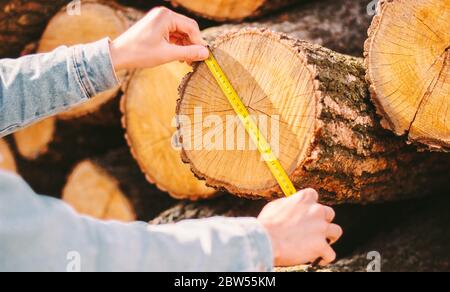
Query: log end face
[408,66]
[277,85]
[149,120]
[7,161]
[91,191]
[222,10]
[34,140]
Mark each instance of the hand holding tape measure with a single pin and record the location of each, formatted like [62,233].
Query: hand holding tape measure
[264,147]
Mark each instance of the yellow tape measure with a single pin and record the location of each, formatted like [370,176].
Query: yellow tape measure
[250,126]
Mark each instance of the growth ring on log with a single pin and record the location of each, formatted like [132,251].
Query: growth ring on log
[148,107]
[96,21]
[408,62]
[280,91]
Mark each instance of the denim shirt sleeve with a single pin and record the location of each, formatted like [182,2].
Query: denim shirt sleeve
[36,86]
[44,234]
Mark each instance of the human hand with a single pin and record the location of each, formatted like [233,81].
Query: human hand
[300,229]
[162,36]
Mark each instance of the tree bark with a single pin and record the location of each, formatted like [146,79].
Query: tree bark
[340,25]
[231,10]
[408,67]
[22,22]
[329,139]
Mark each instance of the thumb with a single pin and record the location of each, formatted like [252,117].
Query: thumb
[191,53]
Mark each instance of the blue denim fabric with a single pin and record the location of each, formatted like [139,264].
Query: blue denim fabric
[34,87]
[39,233]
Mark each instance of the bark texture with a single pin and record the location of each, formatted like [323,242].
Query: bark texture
[23,21]
[351,158]
[340,25]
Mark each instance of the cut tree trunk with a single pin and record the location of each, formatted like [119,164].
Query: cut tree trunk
[22,22]
[148,107]
[314,107]
[7,161]
[99,19]
[408,62]
[112,187]
[233,10]
[150,132]
[340,25]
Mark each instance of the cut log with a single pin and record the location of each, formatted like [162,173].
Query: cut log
[340,25]
[315,107]
[233,10]
[22,22]
[7,161]
[148,107]
[150,132]
[113,188]
[408,62]
[99,19]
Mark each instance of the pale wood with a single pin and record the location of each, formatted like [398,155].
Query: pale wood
[330,137]
[234,10]
[408,62]
[92,191]
[112,187]
[7,160]
[148,107]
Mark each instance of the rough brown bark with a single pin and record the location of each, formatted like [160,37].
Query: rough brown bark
[23,21]
[232,10]
[351,158]
[118,165]
[340,25]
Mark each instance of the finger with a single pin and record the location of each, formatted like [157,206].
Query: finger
[183,24]
[329,214]
[334,232]
[192,53]
[328,256]
[309,195]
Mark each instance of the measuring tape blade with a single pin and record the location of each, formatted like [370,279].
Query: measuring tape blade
[250,126]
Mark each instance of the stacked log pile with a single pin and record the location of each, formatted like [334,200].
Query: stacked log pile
[358,109]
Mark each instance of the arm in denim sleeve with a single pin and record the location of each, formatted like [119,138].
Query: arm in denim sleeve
[39,233]
[36,86]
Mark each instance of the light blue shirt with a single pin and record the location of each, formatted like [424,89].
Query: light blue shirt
[39,233]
